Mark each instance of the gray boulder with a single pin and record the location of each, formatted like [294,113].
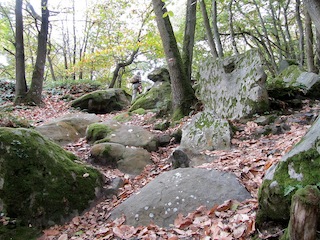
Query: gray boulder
[69,128]
[127,135]
[293,81]
[103,101]
[40,183]
[206,131]
[297,169]
[129,160]
[181,190]
[159,75]
[233,87]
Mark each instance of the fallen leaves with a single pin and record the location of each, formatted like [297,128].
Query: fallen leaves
[249,158]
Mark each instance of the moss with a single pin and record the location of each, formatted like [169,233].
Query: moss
[97,131]
[123,117]
[19,233]
[9,120]
[42,183]
[278,198]
[139,111]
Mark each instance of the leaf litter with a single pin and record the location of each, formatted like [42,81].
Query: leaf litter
[248,159]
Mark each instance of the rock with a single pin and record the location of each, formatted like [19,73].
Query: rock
[128,160]
[233,87]
[181,190]
[40,182]
[103,101]
[293,82]
[158,99]
[69,128]
[127,135]
[206,132]
[159,75]
[297,169]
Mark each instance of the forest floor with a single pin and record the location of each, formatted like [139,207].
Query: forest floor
[249,158]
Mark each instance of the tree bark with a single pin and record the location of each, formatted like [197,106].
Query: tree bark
[233,41]
[313,7]
[21,85]
[211,42]
[216,29]
[304,214]
[182,93]
[188,41]
[122,65]
[309,43]
[34,95]
[301,33]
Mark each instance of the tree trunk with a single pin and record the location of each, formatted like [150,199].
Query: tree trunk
[309,43]
[188,41]
[317,51]
[301,33]
[182,93]
[34,94]
[313,7]
[211,42]
[233,41]
[21,85]
[304,214]
[215,28]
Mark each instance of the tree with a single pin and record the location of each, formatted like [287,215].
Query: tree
[313,7]
[182,92]
[21,84]
[33,96]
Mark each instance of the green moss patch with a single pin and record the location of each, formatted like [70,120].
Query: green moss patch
[97,131]
[295,173]
[41,184]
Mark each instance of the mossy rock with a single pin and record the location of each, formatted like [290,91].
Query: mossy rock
[123,117]
[9,120]
[97,131]
[158,98]
[295,173]
[40,182]
[103,101]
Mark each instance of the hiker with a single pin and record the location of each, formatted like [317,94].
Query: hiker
[136,86]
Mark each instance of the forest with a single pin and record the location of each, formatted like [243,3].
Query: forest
[53,52]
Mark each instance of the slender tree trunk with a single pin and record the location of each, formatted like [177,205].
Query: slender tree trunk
[291,54]
[313,7]
[188,41]
[74,39]
[35,92]
[182,93]
[233,41]
[309,43]
[122,65]
[317,51]
[216,29]
[275,29]
[301,33]
[211,42]
[21,85]
[266,36]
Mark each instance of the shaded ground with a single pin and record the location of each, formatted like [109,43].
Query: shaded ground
[251,155]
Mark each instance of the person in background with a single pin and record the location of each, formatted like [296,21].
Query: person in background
[136,86]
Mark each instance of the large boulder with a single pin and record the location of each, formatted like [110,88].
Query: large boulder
[159,75]
[40,182]
[233,87]
[293,81]
[103,101]
[69,128]
[181,190]
[206,131]
[158,98]
[297,169]
[130,160]
[127,135]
